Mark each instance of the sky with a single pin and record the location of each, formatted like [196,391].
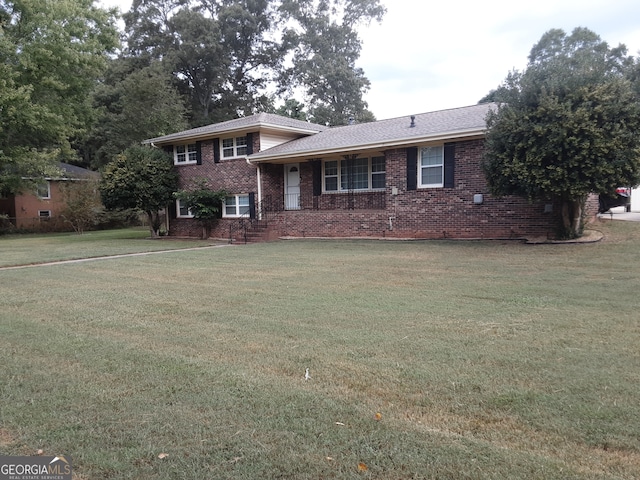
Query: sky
[435,55]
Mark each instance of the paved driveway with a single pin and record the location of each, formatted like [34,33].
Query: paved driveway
[619,213]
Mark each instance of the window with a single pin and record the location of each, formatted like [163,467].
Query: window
[357,174]
[44,214]
[185,154]
[182,211]
[331,176]
[234,147]
[354,174]
[431,167]
[236,206]
[44,190]
[378,173]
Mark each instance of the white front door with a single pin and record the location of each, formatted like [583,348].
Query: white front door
[292,186]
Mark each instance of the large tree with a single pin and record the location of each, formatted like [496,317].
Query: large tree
[325,43]
[135,103]
[222,53]
[51,55]
[232,58]
[141,178]
[566,126]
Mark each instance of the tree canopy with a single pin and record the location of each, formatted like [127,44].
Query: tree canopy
[566,126]
[134,103]
[236,58]
[43,108]
[71,91]
[325,46]
[141,178]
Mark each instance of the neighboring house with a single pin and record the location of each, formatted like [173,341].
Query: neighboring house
[410,177]
[40,209]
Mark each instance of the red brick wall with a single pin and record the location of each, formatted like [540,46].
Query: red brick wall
[451,212]
[234,175]
[25,207]
[421,213]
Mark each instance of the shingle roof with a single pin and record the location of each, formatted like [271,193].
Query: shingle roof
[444,124]
[73,171]
[260,120]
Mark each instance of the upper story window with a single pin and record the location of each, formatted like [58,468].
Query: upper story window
[356,174]
[185,154]
[431,167]
[44,190]
[234,147]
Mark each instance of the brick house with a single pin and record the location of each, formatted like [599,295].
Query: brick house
[40,209]
[417,176]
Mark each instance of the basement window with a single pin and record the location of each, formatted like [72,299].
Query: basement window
[182,211]
[236,206]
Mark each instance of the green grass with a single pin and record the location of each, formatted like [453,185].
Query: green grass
[31,249]
[486,360]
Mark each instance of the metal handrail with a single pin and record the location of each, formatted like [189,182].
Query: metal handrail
[244,222]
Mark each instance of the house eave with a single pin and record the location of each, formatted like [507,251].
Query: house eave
[261,127]
[265,157]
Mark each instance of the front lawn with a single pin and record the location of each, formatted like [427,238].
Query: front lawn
[479,360]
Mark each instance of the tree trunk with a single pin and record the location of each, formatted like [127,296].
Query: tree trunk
[572,221]
[154,223]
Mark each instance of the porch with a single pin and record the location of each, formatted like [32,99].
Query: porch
[328,201]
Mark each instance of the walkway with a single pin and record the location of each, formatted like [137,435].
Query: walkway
[108,257]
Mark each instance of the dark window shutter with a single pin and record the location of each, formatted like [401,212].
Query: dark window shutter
[449,164]
[316,168]
[199,153]
[173,210]
[249,143]
[168,149]
[412,168]
[216,150]
[252,205]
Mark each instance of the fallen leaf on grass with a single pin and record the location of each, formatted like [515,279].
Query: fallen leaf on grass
[362,467]
[330,459]
[378,416]
[340,423]
[162,456]
[40,452]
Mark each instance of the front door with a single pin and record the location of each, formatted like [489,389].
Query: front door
[292,186]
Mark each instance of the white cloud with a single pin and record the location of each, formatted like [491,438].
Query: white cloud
[427,56]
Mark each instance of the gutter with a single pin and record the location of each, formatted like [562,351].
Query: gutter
[373,146]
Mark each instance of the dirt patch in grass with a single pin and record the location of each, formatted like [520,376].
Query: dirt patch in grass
[6,438]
